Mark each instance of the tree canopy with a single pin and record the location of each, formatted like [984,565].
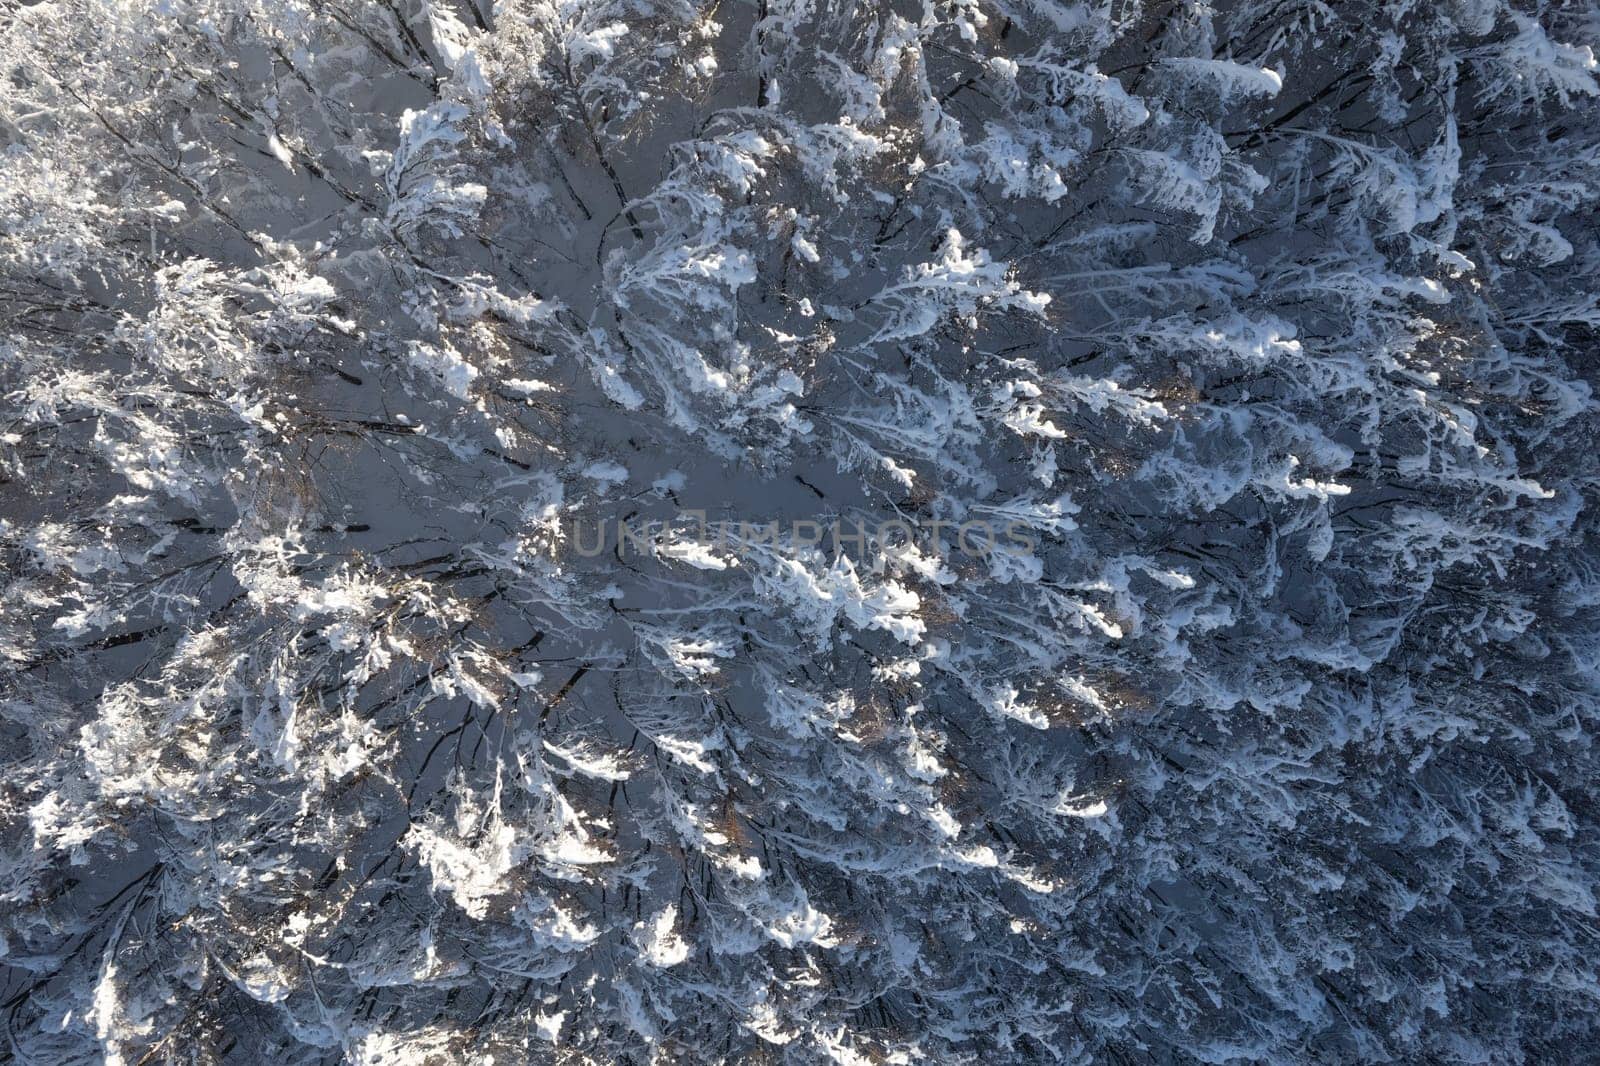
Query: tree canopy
[338,728]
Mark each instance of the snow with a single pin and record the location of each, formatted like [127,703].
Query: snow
[658,942]
[1096,531]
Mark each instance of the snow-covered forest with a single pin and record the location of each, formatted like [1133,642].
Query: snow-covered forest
[443,451]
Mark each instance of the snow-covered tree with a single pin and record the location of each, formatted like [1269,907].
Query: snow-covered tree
[799,531]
